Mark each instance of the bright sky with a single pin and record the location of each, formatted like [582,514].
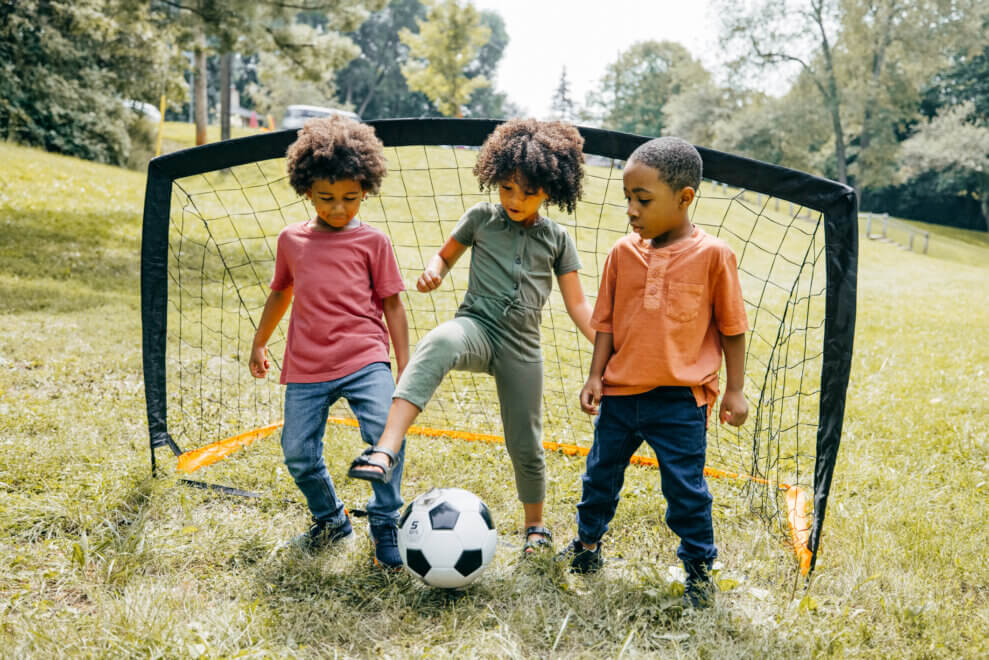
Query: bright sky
[546,35]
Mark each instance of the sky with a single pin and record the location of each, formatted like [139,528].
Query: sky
[546,35]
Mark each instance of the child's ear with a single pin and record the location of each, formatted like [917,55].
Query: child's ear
[309,194]
[687,195]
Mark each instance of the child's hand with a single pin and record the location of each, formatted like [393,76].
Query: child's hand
[428,281]
[590,395]
[259,361]
[734,408]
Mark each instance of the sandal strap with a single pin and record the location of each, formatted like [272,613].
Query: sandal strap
[537,529]
[365,460]
[381,450]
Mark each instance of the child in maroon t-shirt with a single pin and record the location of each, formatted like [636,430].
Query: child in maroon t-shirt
[343,277]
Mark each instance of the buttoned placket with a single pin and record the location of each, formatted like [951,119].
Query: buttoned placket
[655,278]
[517,268]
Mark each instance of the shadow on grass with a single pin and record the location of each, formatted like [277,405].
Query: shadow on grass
[67,262]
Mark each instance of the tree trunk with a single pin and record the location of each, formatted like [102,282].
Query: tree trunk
[226,63]
[833,100]
[200,94]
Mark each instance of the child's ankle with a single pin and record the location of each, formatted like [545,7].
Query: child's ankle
[590,547]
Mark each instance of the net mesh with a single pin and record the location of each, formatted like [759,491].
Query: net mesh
[222,240]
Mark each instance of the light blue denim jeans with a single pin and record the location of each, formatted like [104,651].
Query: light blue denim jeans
[368,393]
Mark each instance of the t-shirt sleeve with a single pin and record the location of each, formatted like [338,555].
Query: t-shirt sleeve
[602,319]
[729,306]
[465,231]
[567,259]
[385,274]
[283,277]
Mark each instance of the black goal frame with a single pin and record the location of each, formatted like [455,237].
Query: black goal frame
[836,201]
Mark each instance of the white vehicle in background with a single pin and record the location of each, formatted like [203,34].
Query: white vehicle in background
[146,110]
[297,115]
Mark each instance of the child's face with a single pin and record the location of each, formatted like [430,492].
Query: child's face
[521,201]
[654,208]
[336,202]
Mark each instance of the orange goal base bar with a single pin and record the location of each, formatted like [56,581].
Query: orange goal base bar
[796,497]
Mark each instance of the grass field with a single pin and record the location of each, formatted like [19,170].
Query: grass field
[96,559]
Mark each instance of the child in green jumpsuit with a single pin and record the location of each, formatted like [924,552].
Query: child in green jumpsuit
[515,254]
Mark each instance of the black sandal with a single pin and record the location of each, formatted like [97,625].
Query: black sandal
[546,541]
[373,475]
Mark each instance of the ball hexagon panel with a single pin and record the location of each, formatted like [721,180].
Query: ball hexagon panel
[442,548]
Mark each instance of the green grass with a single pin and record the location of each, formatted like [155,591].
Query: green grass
[96,559]
[182,135]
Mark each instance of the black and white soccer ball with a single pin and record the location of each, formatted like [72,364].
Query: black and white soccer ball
[446,537]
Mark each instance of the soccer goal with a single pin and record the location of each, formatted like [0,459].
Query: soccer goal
[212,216]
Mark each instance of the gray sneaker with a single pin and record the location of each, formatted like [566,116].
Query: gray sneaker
[321,535]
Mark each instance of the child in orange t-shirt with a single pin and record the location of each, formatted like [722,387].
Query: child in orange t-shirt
[669,304]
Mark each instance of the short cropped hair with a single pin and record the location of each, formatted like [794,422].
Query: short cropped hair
[676,161]
[546,154]
[335,148]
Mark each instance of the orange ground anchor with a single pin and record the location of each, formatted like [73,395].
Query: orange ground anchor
[796,505]
[796,497]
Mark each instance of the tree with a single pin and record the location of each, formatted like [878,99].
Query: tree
[955,147]
[794,32]
[373,82]
[66,66]
[967,80]
[487,101]
[867,61]
[440,54]
[562,105]
[298,41]
[635,87]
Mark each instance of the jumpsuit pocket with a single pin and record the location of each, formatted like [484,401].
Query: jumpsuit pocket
[683,300]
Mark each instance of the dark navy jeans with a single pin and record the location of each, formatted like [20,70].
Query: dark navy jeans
[368,392]
[671,422]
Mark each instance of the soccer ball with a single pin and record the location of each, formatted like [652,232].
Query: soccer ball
[446,537]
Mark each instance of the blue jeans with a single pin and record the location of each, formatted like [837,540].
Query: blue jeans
[368,392]
[669,419]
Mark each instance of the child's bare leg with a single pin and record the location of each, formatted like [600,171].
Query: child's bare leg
[400,418]
[533,518]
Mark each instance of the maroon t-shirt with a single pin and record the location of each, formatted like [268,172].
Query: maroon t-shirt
[339,281]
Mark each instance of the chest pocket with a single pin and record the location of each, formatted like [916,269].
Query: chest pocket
[683,300]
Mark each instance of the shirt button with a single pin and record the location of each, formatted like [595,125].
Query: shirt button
[516,285]
[518,260]
[652,291]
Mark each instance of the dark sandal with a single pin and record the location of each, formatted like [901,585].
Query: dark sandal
[373,475]
[546,541]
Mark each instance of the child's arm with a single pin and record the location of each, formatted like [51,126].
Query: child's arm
[590,395]
[577,305]
[398,329]
[274,310]
[440,265]
[734,408]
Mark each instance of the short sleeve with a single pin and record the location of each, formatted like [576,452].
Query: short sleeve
[466,228]
[567,259]
[283,277]
[602,320]
[729,305]
[385,274]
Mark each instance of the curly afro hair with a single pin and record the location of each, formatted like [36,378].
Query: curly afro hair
[545,154]
[335,148]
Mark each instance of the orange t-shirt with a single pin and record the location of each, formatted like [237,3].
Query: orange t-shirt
[667,308]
